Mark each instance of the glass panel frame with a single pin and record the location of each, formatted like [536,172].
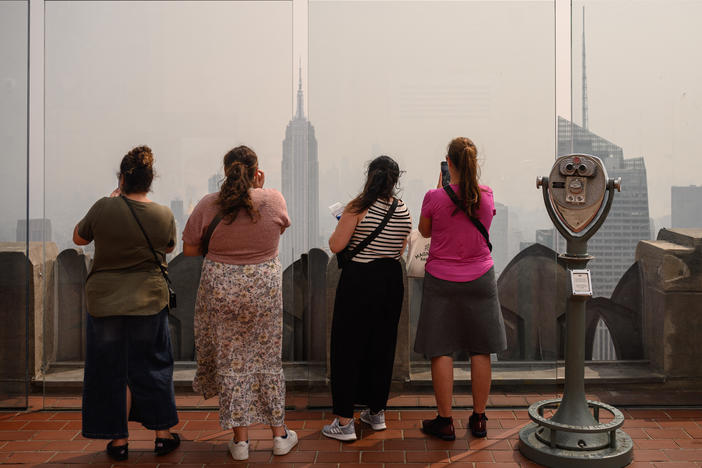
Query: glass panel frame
[189,81]
[378,87]
[634,96]
[17,239]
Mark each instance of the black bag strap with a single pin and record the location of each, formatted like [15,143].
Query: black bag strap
[364,243]
[164,272]
[454,198]
[205,247]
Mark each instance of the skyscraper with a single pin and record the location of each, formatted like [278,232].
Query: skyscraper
[39,230]
[215,182]
[614,245]
[300,174]
[686,207]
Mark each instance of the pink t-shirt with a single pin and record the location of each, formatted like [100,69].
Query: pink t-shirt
[242,242]
[458,251]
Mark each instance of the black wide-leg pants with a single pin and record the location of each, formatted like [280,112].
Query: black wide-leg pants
[364,334]
[132,351]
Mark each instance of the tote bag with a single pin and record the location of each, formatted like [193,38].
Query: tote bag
[417,253]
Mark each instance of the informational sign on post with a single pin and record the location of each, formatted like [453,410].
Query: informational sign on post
[581,283]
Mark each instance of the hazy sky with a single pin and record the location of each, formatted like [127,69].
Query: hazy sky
[193,79]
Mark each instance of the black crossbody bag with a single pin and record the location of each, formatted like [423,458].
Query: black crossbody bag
[205,244]
[171,291]
[454,198]
[345,256]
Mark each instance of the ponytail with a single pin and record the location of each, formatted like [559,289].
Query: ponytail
[240,166]
[383,174]
[464,156]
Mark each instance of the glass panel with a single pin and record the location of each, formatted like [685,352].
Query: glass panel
[15,271]
[403,79]
[636,102]
[191,80]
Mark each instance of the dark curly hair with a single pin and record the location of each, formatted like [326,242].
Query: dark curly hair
[383,174]
[240,166]
[137,170]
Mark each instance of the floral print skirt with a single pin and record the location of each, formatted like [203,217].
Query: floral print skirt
[238,341]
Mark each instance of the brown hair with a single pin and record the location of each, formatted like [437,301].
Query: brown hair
[383,174]
[240,166]
[137,170]
[464,156]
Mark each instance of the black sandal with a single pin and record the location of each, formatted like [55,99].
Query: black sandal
[165,446]
[117,452]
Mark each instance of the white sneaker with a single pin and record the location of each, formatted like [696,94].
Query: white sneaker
[283,444]
[239,450]
[339,432]
[376,421]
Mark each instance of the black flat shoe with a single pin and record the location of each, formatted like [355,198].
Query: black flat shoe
[117,452]
[164,446]
[478,424]
[442,429]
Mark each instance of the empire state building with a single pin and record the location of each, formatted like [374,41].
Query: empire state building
[300,176]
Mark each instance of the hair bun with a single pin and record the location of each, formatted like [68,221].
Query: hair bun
[137,167]
[143,156]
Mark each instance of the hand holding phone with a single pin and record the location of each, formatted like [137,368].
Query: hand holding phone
[259,179]
[445,175]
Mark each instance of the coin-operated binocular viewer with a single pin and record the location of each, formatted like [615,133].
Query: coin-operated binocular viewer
[578,195]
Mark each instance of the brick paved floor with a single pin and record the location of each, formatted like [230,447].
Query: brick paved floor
[663,438]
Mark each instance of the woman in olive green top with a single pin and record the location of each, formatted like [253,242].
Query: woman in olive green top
[129,361]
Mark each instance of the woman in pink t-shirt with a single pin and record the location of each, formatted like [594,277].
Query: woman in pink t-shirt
[460,310]
[239,306]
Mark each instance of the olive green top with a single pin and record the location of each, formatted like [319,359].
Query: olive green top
[124,278]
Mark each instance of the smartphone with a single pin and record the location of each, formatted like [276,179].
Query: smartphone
[336,210]
[445,176]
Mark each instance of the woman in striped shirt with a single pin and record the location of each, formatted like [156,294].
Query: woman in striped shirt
[368,301]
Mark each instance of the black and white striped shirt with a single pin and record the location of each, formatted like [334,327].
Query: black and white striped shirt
[389,242]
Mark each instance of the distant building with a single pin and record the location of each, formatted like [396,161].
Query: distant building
[178,212]
[300,174]
[179,215]
[546,237]
[602,344]
[615,243]
[686,207]
[39,230]
[214,182]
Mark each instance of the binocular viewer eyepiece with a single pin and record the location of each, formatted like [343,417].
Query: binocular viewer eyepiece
[576,189]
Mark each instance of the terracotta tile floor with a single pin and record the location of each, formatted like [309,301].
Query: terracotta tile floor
[663,437]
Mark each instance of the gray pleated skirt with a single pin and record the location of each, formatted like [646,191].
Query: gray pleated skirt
[460,317]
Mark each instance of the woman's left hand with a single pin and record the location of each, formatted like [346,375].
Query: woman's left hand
[259,179]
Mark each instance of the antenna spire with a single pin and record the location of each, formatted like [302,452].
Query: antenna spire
[584,80]
[300,100]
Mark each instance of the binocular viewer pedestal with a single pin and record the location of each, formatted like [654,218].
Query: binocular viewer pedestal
[578,196]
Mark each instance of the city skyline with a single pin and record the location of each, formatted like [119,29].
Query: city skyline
[377,92]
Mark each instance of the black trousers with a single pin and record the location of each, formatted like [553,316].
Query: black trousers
[364,334]
[134,351]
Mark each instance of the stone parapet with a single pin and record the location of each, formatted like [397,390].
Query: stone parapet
[671,269]
[40,261]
